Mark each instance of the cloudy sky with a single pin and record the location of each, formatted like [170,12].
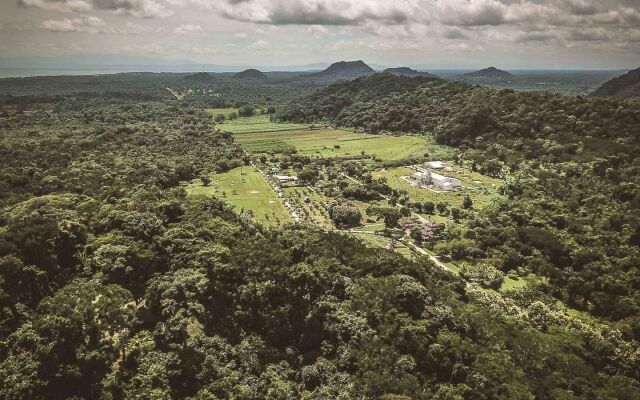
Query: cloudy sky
[431,33]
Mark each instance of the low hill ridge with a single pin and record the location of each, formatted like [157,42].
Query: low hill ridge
[406,71]
[489,73]
[624,86]
[250,74]
[200,77]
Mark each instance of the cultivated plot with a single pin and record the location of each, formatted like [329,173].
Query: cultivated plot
[257,123]
[334,143]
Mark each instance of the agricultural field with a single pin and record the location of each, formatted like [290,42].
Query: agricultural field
[257,134]
[311,204]
[255,124]
[482,189]
[328,142]
[246,191]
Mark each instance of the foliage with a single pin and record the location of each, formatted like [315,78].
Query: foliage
[115,284]
[571,211]
[345,214]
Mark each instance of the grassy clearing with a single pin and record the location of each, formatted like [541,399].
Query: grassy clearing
[384,242]
[332,142]
[518,283]
[224,111]
[377,227]
[482,190]
[248,191]
[257,123]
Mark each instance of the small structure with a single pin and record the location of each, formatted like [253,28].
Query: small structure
[437,181]
[435,164]
[286,178]
[275,170]
[430,229]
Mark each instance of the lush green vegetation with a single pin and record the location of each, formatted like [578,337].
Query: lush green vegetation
[119,281]
[571,207]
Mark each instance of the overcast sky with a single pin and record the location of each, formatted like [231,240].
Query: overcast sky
[432,33]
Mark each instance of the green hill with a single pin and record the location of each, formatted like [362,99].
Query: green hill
[405,71]
[625,86]
[250,75]
[343,70]
[200,77]
[491,74]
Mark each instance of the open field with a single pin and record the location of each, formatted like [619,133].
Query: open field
[224,111]
[248,191]
[384,242]
[333,143]
[482,190]
[257,123]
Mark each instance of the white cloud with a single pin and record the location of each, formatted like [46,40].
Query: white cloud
[146,49]
[317,12]
[201,51]
[240,35]
[259,45]
[131,28]
[317,30]
[81,24]
[189,30]
[136,8]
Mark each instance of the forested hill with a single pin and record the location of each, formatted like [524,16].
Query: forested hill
[116,284]
[572,212]
[625,86]
[458,113]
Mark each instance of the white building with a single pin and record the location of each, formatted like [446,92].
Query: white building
[286,178]
[435,164]
[437,181]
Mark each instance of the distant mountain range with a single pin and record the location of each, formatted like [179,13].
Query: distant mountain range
[250,75]
[487,74]
[406,71]
[624,87]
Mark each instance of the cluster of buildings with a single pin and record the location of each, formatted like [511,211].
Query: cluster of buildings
[426,177]
[289,179]
[430,230]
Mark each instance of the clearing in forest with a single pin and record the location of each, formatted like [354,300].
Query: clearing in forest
[224,111]
[483,190]
[256,123]
[259,135]
[248,191]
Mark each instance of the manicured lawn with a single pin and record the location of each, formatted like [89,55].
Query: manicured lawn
[248,191]
[482,190]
